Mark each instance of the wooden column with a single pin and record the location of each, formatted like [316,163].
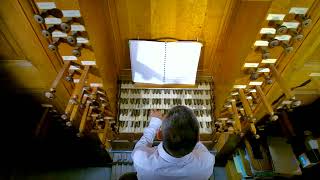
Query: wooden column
[248,112]
[42,121]
[84,117]
[264,100]
[281,82]
[60,74]
[245,103]
[77,93]
[235,115]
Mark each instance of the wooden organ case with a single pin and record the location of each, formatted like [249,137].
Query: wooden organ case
[255,54]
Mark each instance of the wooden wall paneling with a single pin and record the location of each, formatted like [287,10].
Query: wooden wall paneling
[116,34]
[218,17]
[200,20]
[190,14]
[9,48]
[189,24]
[15,17]
[242,31]
[290,65]
[134,21]
[97,18]
[163,19]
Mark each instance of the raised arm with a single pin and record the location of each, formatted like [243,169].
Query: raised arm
[150,132]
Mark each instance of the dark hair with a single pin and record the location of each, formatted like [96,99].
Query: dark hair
[180,131]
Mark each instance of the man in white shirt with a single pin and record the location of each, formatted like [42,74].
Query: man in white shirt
[180,155]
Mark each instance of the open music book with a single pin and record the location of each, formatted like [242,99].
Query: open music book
[164,62]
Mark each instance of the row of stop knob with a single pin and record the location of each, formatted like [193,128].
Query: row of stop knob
[64,27]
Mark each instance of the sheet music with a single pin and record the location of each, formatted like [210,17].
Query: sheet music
[182,62]
[164,62]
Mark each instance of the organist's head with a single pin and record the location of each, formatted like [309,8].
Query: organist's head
[180,131]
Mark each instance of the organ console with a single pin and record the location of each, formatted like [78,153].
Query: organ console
[135,104]
[87,46]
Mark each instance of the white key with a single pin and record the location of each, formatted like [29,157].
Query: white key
[201,127]
[125,128]
[141,126]
[162,94]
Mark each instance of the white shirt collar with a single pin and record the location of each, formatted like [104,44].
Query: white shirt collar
[170,158]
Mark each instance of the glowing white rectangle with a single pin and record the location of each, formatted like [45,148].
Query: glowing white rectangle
[263,70]
[46,5]
[69,58]
[82,40]
[314,74]
[253,90]
[249,97]
[227,106]
[268,61]
[108,117]
[76,80]
[234,93]
[59,34]
[71,13]
[283,37]
[52,20]
[255,83]
[286,102]
[275,17]
[77,28]
[223,119]
[261,43]
[96,85]
[291,25]
[47,105]
[74,67]
[88,63]
[239,86]
[251,64]
[298,10]
[268,31]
